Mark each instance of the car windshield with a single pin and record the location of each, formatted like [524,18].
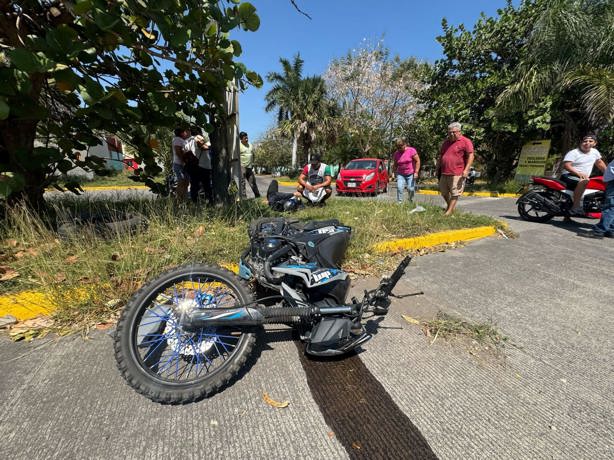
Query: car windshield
[361,164]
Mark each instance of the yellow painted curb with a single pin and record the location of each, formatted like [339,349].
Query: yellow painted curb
[483,194]
[434,239]
[113,187]
[26,305]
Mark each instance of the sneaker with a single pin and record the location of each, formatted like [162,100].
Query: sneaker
[609,234]
[591,234]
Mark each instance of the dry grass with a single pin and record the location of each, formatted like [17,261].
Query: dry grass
[90,277]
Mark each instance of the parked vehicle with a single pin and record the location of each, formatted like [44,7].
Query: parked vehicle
[363,176]
[548,197]
[192,330]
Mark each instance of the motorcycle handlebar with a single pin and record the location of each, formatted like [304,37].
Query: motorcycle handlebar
[387,286]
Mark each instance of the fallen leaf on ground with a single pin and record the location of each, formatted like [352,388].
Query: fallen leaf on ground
[356,445]
[115,257]
[59,277]
[7,273]
[71,259]
[199,231]
[271,402]
[11,243]
[104,326]
[410,320]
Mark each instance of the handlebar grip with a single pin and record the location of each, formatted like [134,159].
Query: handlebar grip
[396,276]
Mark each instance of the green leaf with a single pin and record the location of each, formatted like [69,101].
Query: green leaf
[64,166]
[236,48]
[25,60]
[254,78]
[24,84]
[105,20]
[66,80]
[4,109]
[91,91]
[82,6]
[180,38]
[250,19]
[211,29]
[62,39]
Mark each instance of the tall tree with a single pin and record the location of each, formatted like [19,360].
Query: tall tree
[284,94]
[376,95]
[73,69]
[569,54]
[464,85]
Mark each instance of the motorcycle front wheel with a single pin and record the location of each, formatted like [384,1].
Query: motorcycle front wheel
[529,211]
[168,364]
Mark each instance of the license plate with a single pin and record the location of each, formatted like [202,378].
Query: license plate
[351,184]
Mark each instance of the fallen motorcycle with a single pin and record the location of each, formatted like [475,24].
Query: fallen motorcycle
[190,332]
[548,197]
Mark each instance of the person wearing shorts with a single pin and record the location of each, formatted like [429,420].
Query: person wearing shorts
[453,166]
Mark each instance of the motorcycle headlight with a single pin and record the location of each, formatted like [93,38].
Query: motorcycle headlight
[369,176]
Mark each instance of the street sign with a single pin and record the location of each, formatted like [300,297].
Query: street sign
[532,161]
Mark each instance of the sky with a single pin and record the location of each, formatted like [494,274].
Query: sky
[407,27]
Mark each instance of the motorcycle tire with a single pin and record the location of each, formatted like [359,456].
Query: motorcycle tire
[525,207]
[170,365]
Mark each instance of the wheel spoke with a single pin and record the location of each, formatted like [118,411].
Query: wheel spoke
[174,354]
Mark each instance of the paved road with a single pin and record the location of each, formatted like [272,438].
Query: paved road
[549,396]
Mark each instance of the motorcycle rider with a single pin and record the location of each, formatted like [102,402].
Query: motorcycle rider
[578,164]
[314,176]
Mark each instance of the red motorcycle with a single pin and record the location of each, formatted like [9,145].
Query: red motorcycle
[548,197]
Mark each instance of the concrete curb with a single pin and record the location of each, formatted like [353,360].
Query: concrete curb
[26,305]
[434,239]
[435,192]
[484,194]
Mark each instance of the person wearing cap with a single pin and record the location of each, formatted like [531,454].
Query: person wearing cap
[246,151]
[605,227]
[314,176]
[578,164]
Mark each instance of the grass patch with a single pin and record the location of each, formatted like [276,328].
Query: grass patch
[447,327]
[90,277]
[121,179]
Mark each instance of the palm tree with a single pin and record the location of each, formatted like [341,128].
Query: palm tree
[283,96]
[570,51]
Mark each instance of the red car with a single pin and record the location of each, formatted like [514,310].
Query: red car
[363,176]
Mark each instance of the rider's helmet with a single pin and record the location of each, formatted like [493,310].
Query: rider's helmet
[291,205]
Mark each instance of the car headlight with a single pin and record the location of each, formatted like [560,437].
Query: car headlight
[369,176]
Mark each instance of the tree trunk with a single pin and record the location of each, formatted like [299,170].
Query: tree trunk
[225,145]
[294,150]
[17,144]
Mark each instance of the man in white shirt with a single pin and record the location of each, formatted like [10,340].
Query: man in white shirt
[179,162]
[578,164]
[200,173]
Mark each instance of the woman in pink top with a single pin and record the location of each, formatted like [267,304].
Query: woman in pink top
[406,166]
